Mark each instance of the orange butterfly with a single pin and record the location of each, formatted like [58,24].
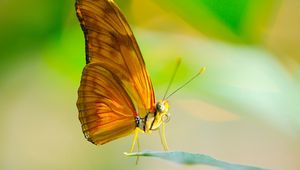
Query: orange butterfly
[115,97]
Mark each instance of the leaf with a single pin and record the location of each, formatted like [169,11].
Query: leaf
[193,159]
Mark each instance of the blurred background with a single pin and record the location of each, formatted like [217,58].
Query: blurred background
[244,109]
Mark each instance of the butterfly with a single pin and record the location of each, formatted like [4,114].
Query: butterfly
[115,97]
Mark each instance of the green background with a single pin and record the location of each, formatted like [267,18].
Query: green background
[244,109]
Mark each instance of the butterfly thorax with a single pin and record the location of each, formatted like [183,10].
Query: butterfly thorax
[153,120]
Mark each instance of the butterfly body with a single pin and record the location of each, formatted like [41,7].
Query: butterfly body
[115,97]
[153,120]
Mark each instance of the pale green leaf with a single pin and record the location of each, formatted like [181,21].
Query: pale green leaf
[193,159]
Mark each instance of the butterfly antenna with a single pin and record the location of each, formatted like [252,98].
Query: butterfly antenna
[173,76]
[202,70]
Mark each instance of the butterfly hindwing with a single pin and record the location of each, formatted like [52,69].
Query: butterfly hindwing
[105,113]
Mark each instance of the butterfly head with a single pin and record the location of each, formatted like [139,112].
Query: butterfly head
[162,108]
[161,115]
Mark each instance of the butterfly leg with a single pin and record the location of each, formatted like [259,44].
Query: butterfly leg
[135,139]
[138,146]
[163,137]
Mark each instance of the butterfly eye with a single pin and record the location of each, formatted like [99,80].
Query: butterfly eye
[160,107]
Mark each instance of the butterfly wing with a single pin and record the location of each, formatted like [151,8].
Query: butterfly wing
[115,84]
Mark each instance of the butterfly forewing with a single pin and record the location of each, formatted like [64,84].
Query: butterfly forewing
[115,85]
